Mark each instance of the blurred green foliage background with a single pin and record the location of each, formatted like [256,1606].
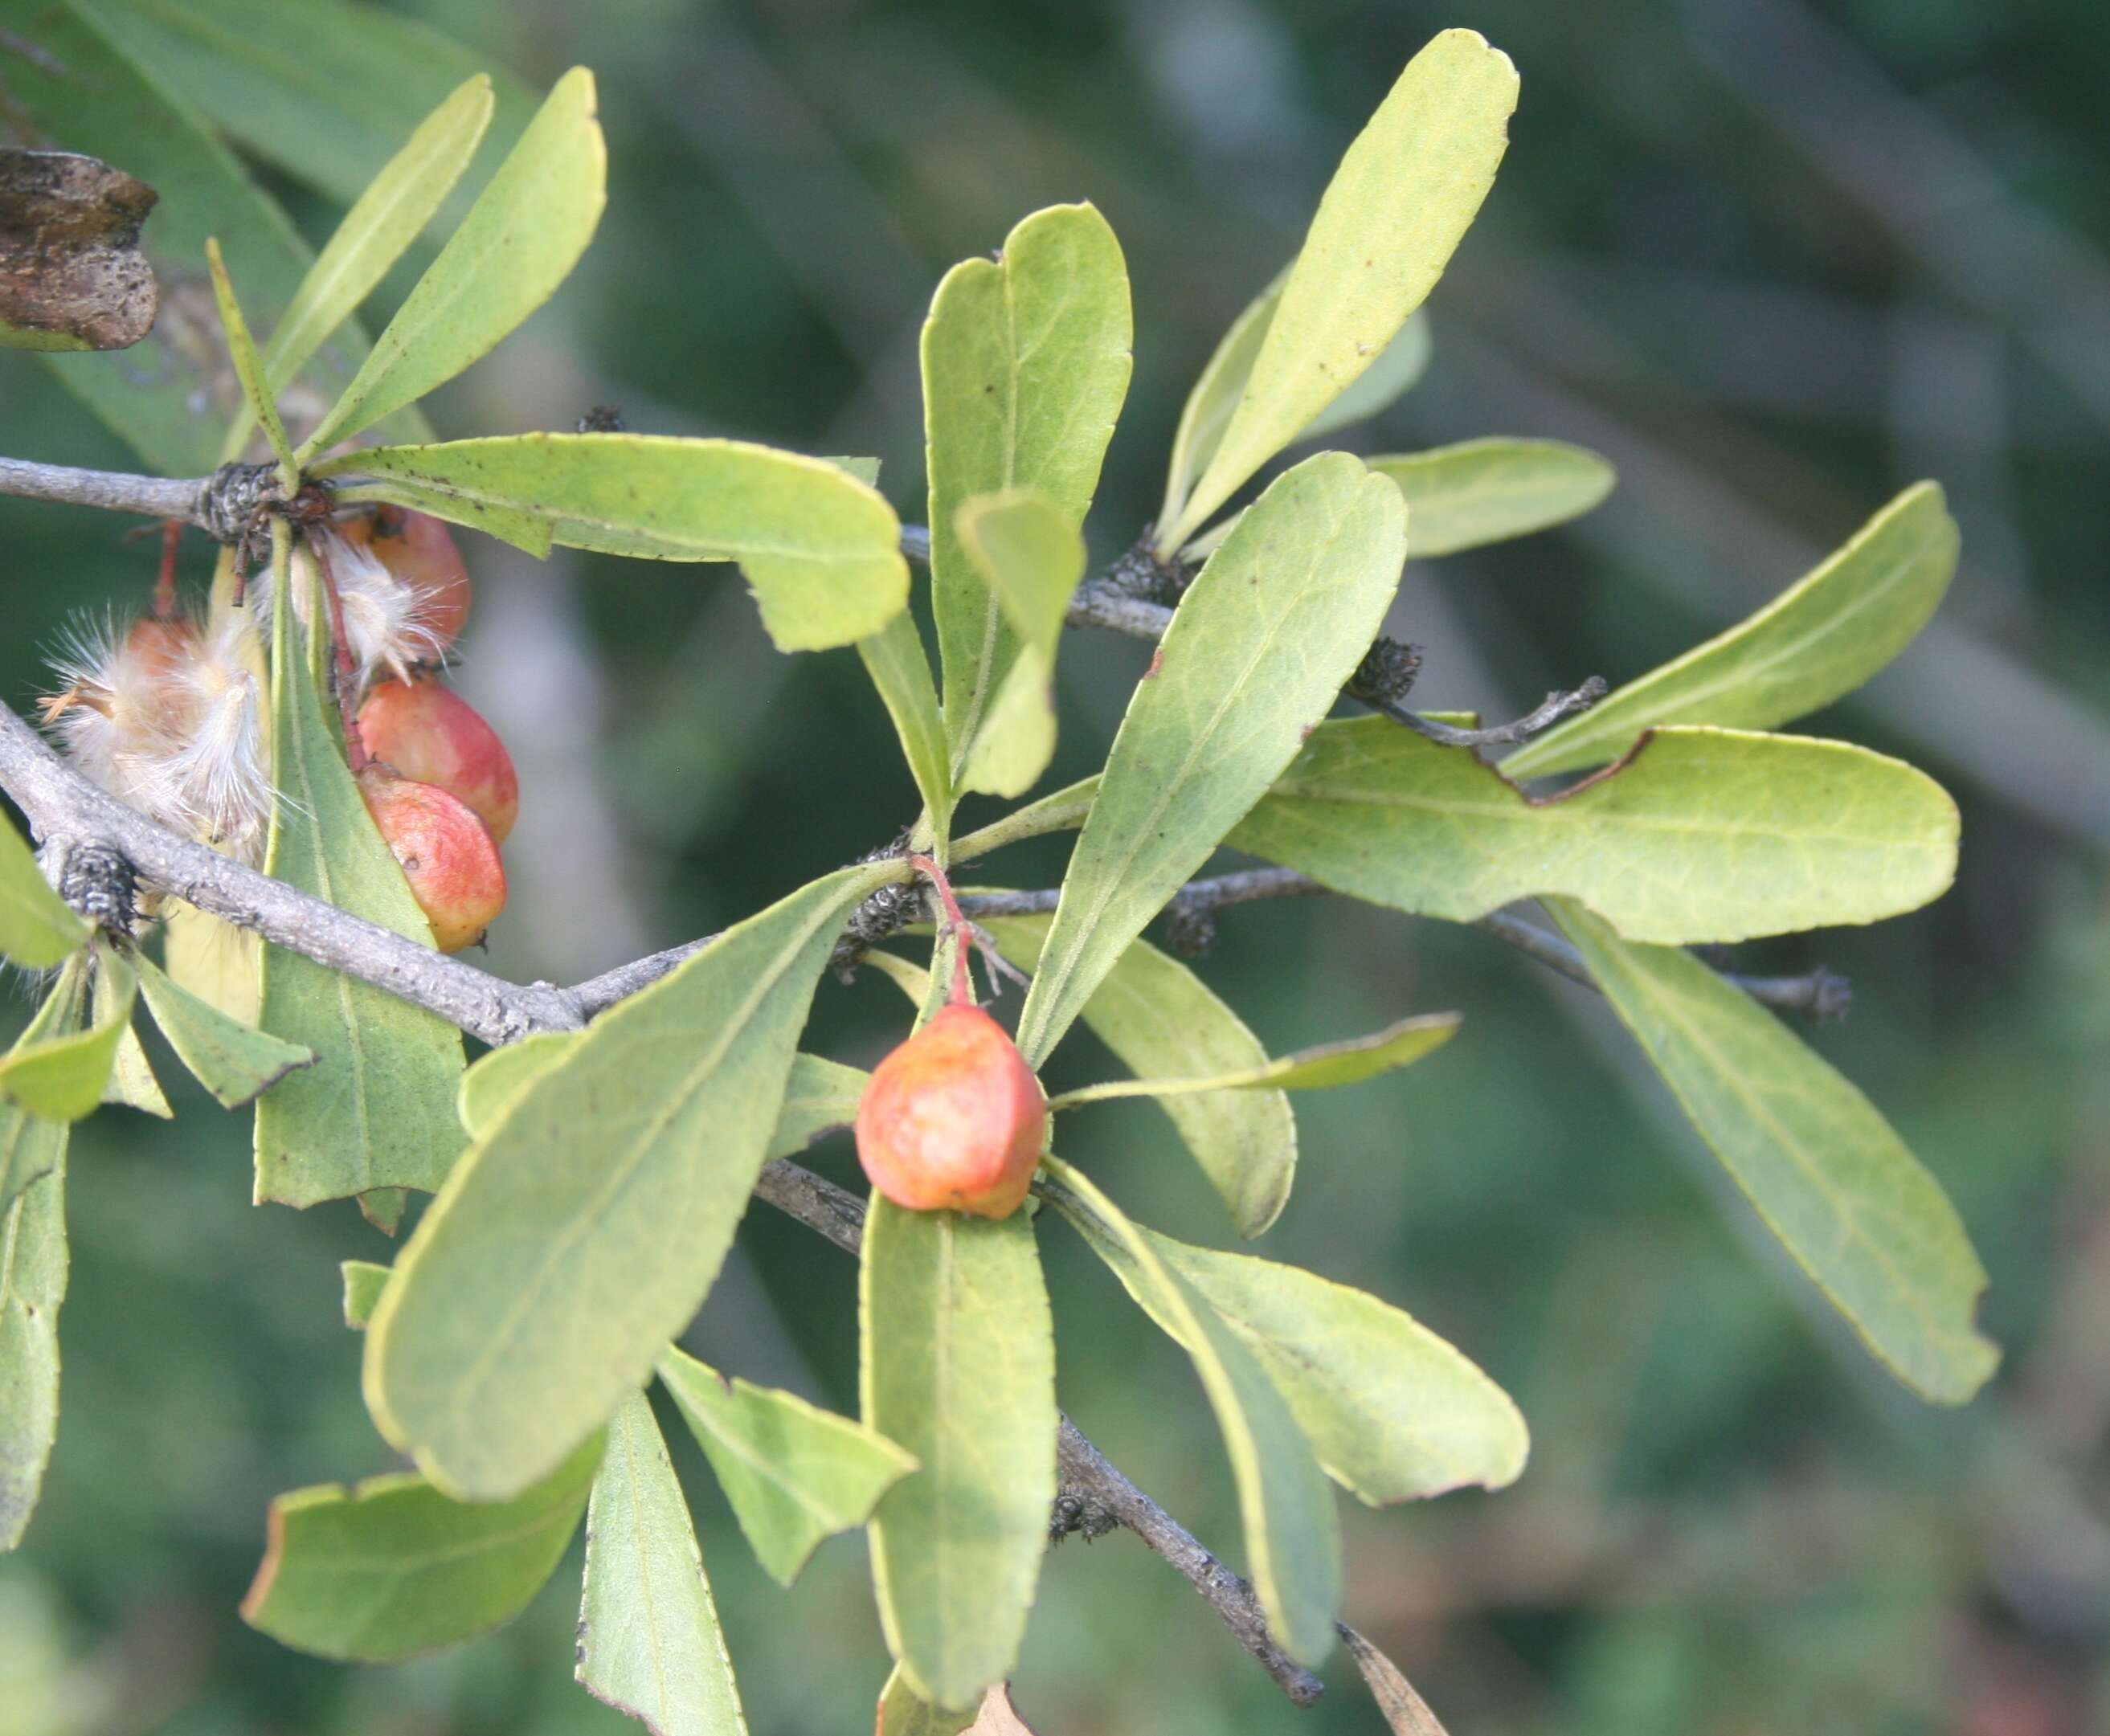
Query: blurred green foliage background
[1775,259]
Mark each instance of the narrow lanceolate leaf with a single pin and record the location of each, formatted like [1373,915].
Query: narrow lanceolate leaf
[1405,1712]
[822,548]
[1393,1412]
[1825,1170]
[31,1145]
[1030,556]
[377,1108]
[586,1224]
[958,1367]
[649,1639]
[1821,638]
[518,242]
[389,215]
[1322,1068]
[62,1077]
[1482,492]
[900,670]
[794,1474]
[236,1062]
[248,365]
[1702,835]
[1164,1021]
[33,1284]
[1293,1536]
[37,929]
[391,1568]
[1257,652]
[363,1284]
[1025,362]
[1404,196]
[132,1082]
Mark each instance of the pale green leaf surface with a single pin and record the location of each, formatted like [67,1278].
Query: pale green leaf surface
[363,1284]
[1397,370]
[1254,659]
[1031,558]
[1821,638]
[587,1224]
[1292,1533]
[1824,1169]
[494,1080]
[1482,492]
[1325,1067]
[377,1108]
[649,1639]
[1403,196]
[520,241]
[33,1284]
[1393,1412]
[1162,1020]
[62,1077]
[794,1473]
[37,929]
[1703,835]
[1025,362]
[958,1369]
[391,1568]
[132,1082]
[34,1145]
[903,1711]
[900,671]
[821,548]
[248,365]
[236,1062]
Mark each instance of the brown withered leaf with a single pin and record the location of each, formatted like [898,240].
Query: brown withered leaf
[999,1716]
[71,273]
[1405,1711]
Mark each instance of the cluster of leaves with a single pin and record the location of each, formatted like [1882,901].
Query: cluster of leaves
[589,1186]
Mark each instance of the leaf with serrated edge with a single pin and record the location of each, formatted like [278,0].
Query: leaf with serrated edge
[1025,362]
[1702,834]
[1405,1712]
[33,1284]
[1404,195]
[586,1224]
[391,1568]
[1820,639]
[1482,492]
[236,1062]
[1031,558]
[248,365]
[649,1639]
[794,1474]
[37,929]
[1825,1170]
[957,1368]
[32,1145]
[1292,1536]
[518,242]
[900,671]
[363,1282]
[377,1108]
[62,1077]
[1393,1413]
[822,550]
[1162,1020]
[1325,1067]
[1254,659]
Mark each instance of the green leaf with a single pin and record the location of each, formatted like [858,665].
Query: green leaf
[494,1080]
[385,219]
[377,1108]
[1393,1413]
[903,1711]
[900,669]
[31,1145]
[649,1639]
[1025,362]
[1482,492]
[518,242]
[1254,659]
[1399,368]
[1031,558]
[1405,193]
[363,1284]
[794,1473]
[1821,638]
[33,1284]
[249,366]
[37,928]
[1293,1536]
[822,548]
[586,1224]
[958,1368]
[236,1062]
[1824,1169]
[132,1082]
[1323,1068]
[63,1076]
[1701,835]
[1164,1021]
[392,1568]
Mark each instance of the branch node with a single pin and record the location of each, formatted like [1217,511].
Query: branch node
[1075,1510]
[233,498]
[1386,674]
[99,884]
[884,914]
[1140,573]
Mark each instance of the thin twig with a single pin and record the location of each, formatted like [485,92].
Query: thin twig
[1556,706]
[223,504]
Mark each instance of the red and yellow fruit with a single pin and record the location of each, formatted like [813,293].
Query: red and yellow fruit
[432,735]
[445,851]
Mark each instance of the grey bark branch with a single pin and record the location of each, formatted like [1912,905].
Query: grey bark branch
[222,504]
